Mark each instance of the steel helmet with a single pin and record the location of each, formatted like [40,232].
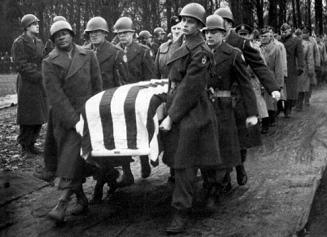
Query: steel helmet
[225,13]
[194,10]
[144,34]
[123,24]
[214,22]
[157,31]
[58,18]
[58,26]
[96,23]
[28,19]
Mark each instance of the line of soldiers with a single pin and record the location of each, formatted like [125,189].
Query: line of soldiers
[216,75]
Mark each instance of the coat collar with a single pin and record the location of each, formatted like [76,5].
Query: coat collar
[29,41]
[105,51]
[222,53]
[184,49]
[78,59]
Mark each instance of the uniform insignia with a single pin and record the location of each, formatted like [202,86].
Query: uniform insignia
[204,60]
[151,54]
[125,58]
[242,27]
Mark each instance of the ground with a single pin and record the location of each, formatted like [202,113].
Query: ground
[278,200]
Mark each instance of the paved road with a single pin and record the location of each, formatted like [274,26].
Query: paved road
[284,175]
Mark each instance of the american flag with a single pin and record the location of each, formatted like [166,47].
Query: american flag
[124,120]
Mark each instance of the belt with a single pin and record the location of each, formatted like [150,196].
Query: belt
[218,93]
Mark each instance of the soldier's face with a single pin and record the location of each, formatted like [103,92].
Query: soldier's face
[33,28]
[285,33]
[214,37]
[63,40]
[97,37]
[306,35]
[190,25]
[125,37]
[265,38]
[176,31]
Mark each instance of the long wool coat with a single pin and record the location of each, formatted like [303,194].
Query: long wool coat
[294,54]
[32,103]
[193,139]
[69,84]
[230,67]
[114,70]
[274,60]
[309,66]
[139,61]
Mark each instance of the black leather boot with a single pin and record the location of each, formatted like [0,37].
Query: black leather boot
[265,125]
[58,213]
[82,202]
[145,166]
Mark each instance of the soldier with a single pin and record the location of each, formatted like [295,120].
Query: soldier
[294,52]
[166,50]
[145,38]
[114,70]
[230,68]
[27,52]
[308,69]
[317,64]
[114,73]
[71,76]
[161,70]
[274,60]
[247,33]
[49,45]
[141,68]
[252,57]
[190,124]
[159,35]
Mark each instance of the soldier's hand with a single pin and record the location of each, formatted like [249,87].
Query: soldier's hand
[251,121]
[166,124]
[275,95]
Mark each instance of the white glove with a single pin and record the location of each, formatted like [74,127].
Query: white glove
[251,121]
[166,124]
[275,95]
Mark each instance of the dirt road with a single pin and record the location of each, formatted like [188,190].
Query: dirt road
[284,175]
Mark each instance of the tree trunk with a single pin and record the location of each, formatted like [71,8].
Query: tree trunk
[318,17]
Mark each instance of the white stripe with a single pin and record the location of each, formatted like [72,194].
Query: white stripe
[92,110]
[118,116]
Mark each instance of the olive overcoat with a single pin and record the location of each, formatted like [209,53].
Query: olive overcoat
[113,65]
[31,96]
[69,84]
[139,61]
[230,67]
[294,53]
[193,139]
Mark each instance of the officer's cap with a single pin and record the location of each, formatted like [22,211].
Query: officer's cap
[174,20]
[243,28]
[298,32]
[305,29]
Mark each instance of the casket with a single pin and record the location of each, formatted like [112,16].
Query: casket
[124,121]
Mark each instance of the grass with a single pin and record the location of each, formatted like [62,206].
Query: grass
[7,84]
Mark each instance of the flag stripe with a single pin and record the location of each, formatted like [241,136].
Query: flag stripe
[106,119]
